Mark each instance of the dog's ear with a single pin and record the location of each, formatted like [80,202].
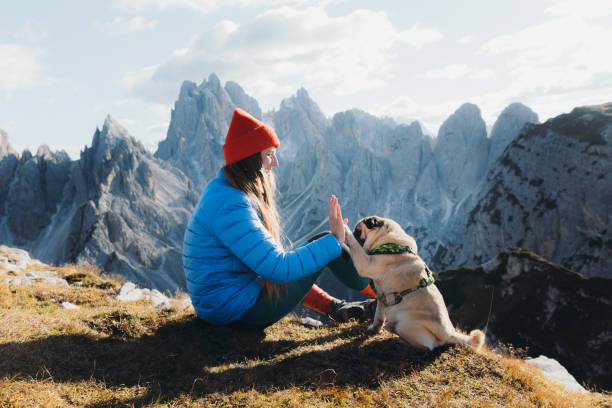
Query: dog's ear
[357,234]
[373,222]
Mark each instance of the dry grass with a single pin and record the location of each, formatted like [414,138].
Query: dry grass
[115,354]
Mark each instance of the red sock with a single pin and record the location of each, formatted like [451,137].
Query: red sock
[317,299]
[368,291]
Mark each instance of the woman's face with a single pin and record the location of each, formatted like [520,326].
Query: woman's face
[268,158]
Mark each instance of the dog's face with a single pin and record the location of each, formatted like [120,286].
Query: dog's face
[368,228]
[372,229]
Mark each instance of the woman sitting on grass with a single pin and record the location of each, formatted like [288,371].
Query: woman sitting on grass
[236,268]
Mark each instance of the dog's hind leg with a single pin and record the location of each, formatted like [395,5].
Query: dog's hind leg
[416,335]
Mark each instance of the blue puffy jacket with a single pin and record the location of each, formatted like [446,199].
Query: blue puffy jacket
[226,248]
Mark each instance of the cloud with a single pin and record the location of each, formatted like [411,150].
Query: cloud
[160,128]
[207,6]
[123,24]
[555,65]
[567,52]
[465,40]
[460,71]
[417,36]
[581,8]
[431,115]
[29,33]
[20,67]
[282,49]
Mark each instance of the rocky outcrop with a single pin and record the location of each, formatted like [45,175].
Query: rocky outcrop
[507,127]
[116,207]
[461,152]
[30,193]
[18,269]
[538,305]
[124,211]
[241,100]
[198,125]
[550,192]
[372,129]
[5,147]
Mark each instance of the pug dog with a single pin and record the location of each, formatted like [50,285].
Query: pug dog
[408,299]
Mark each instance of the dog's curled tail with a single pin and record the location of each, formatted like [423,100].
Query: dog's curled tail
[476,339]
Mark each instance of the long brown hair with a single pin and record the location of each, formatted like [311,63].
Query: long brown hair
[248,175]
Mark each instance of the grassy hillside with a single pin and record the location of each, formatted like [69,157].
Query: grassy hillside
[115,354]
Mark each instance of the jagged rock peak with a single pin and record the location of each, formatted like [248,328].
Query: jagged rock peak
[5,147]
[467,118]
[343,121]
[112,128]
[517,107]
[113,135]
[213,83]
[467,110]
[362,116]
[44,152]
[508,126]
[515,112]
[466,124]
[187,88]
[416,127]
[302,100]
[461,151]
[242,100]
[300,110]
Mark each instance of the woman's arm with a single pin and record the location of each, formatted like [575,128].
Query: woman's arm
[238,227]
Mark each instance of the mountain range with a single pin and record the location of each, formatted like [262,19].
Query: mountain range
[465,195]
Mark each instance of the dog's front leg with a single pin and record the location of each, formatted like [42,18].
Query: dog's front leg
[361,259]
[379,318]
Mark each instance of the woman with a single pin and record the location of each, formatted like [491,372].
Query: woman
[236,268]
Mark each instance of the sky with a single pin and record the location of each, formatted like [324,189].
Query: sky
[67,64]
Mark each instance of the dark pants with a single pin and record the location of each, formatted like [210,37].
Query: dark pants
[266,312]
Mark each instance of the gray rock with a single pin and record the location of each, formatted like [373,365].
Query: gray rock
[241,100]
[507,127]
[32,193]
[69,306]
[117,207]
[461,152]
[373,129]
[199,123]
[5,147]
[46,277]
[530,302]
[553,370]
[298,123]
[309,321]
[549,192]
[129,292]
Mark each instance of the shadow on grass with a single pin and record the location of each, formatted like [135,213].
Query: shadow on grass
[189,357]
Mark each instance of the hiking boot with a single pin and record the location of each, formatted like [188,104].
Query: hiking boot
[341,310]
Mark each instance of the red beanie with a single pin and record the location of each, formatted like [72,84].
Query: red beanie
[247,136]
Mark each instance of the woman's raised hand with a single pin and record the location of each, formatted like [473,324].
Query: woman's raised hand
[336,223]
